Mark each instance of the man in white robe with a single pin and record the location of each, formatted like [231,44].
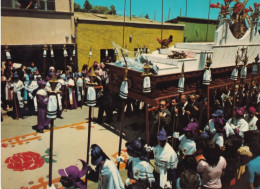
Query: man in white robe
[238,123]
[106,173]
[166,161]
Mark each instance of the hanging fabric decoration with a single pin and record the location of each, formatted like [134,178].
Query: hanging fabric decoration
[44,53]
[243,72]
[147,85]
[234,74]
[255,69]
[8,55]
[91,96]
[124,89]
[181,85]
[52,53]
[207,77]
[65,53]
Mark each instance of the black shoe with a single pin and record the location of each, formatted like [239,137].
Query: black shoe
[60,117]
[40,131]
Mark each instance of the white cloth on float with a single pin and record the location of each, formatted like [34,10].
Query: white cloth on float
[165,158]
[109,177]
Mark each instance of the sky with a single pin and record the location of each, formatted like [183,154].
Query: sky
[171,8]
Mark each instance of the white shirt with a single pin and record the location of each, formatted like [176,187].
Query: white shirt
[240,124]
[218,139]
[187,146]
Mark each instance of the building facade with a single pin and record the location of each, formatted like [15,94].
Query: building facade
[26,28]
[197,29]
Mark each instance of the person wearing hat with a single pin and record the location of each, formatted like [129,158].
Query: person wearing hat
[18,87]
[105,173]
[166,161]
[70,84]
[140,175]
[42,100]
[32,87]
[251,118]
[238,123]
[218,137]
[187,145]
[71,176]
[211,126]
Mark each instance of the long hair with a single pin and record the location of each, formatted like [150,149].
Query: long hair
[212,154]
[189,179]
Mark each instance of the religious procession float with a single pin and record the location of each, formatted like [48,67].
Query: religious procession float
[188,67]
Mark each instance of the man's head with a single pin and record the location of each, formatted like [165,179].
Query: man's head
[32,64]
[183,99]
[174,102]
[162,138]
[252,111]
[236,88]
[192,98]
[162,104]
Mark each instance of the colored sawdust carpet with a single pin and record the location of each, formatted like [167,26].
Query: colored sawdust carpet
[25,159]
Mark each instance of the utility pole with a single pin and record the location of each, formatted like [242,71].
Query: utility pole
[130,9]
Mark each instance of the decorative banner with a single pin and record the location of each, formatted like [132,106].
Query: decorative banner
[91,96]
[243,72]
[255,69]
[234,74]
[8,55]
[52,53]
[181,85]
[65,53]
[44,53]
[25,161]
[207,77]
[124,90]
[147,85]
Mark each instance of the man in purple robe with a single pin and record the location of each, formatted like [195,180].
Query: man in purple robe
[42,99]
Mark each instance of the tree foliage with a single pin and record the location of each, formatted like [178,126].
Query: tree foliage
[146,16]
[77,7]
[87,6]
[100,10]
[112,10]
[94,9]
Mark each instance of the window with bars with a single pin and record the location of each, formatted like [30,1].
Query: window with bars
[29,4]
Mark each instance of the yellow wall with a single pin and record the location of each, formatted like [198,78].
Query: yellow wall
[101,37]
